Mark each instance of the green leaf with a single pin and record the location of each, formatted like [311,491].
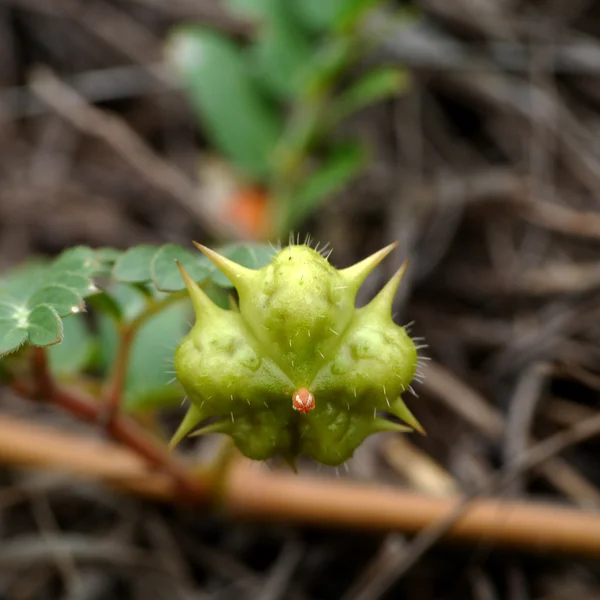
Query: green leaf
[159,397]
[75,268]
[105,303]
[10,310]
[108,255]
[254,9]
[105,260]
[74,353]
[13,325]
[149,380]
[336,172]
[64,300]
[72,269]
[44,326]
[305,129]
[320,16]
[84,261]
[165,273]
[236,117]
[220,295]
[24,279]
[152,355]
[130,300]
[12,337]
[80,284]
[80,260]
[328,64]
[373,87]
[253,256]
[134,266]
[353,12]
[282,52]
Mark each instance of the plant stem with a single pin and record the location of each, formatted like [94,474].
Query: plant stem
[305,128]
[252,494]
[127,333]
[155,306]
[120,428]
[116,383]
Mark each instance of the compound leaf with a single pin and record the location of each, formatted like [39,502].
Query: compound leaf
[150,371]
[134,266]
[108,255]
[23,280]
[13,325]
[80,284]
[44,326]
[12,337]
[73,354]
[64,300]
[253,256]
[165,274]
[80,259]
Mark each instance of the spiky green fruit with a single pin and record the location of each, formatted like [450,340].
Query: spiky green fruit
[298,369]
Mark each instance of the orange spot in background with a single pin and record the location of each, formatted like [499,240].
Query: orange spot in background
[248,209]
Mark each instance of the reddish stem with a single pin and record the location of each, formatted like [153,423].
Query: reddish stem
[120,428]
[116,383]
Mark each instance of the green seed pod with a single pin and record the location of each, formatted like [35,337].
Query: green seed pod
[297,370]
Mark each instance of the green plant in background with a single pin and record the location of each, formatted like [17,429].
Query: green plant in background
[272,106]
[289,368]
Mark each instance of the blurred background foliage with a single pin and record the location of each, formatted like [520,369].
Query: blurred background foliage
[271,105]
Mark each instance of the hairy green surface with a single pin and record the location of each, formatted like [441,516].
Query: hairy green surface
[296,332]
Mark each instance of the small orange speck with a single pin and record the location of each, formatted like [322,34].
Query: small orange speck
[303,401]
